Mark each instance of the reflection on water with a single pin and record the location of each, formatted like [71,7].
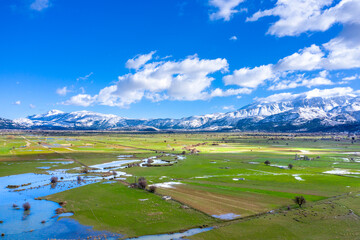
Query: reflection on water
[41,221]
[64,229]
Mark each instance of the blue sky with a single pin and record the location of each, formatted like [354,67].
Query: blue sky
[172,58]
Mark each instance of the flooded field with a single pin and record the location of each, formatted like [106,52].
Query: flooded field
[111,187]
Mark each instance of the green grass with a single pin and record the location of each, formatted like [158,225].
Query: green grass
[327,219]
[117,208]
[207,179]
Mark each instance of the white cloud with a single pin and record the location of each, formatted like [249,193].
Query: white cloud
[351,78]
[62,91]
[185,80]
[32,106]
[83,100]
[228,108]
[233,38]
[299,16]
[225,9]
[250,77]
[342,52]
[229,92]
[303,82]
[306,59]
[84,78]
[18,102]
[39,5]
[325,93]
[139,60]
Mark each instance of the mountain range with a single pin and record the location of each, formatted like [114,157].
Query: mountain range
[300,113]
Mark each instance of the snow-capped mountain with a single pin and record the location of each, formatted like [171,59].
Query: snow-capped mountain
[56,119]
[298,113]
[7,124]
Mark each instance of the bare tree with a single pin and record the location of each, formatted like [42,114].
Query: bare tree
[54,179]
[142,183]
[26,206]
[299,200]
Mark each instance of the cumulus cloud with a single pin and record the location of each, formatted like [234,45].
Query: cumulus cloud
[139,60]
[299,16]
[62,91]
[250,77]
[340,53]
[39,5]
[225,9]
[344,50]
[83,100]
[306,59]
[325,93]
[187,80]
[18,102]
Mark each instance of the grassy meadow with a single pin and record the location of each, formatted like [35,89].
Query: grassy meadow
[222,173]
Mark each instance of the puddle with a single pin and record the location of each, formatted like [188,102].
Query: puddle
[114,164]
[227,216]
[174,236]
[297,177]
[279,166]
[166,184]
[109,182]
[43,167]
[59,162]
[338,171]
[69,214]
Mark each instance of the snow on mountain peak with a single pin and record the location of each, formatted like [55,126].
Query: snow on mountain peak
[53,112]
[289,112]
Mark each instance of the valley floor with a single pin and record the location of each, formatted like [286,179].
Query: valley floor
[215,180]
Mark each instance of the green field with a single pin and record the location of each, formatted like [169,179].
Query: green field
[223,174]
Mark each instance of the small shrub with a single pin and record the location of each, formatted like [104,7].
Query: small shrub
[152,189]
[267,162]
[26,206]
[54,179]
[142,183]
[290,166]
[299,200]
